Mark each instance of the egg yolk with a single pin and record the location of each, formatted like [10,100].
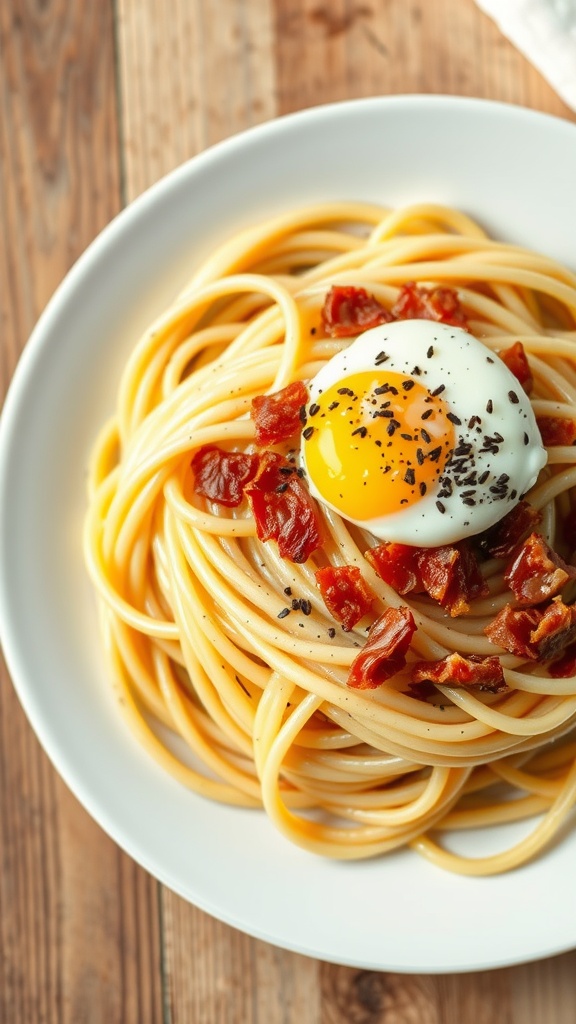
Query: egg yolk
[376,443]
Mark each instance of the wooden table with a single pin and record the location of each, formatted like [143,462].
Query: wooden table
[97,101]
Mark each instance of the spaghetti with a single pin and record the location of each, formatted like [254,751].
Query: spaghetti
[230,668]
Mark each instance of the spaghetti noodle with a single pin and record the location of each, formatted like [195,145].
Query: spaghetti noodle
[230,668]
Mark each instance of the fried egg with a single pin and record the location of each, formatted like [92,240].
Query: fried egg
[420,434]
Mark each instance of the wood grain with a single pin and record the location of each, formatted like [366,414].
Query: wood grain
[190,79]
[79,937]
[219,976]
[96,103]
[350,48]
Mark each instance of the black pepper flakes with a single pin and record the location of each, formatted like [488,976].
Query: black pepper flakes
[307,434]
[283,613]
[463,448]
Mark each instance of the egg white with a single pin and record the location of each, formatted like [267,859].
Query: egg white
[478,385]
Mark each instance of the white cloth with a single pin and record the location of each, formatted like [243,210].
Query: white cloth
[545,32]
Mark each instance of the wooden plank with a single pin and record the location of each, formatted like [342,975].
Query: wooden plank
[344,50]
[373,997]
[219,976]
[190,76]
[79,935]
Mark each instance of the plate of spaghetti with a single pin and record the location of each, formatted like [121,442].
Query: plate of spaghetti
[288,493]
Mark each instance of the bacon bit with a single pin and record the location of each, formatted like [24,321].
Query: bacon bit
[452,577]
[474,673]
[536,572]
[441,304]
[277,416]
[437,568]
[512,629]
[286,514]
[566,665]
[345,593]
[555,631]
[449,574]
[517,361]
[348,311]
[500,540]
[397,565]
[556,430]
[383,654]
[535,633]
[222,476]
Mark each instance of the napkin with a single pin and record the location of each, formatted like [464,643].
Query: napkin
[545,32]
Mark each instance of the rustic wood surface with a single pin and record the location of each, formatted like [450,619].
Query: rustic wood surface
[97,101]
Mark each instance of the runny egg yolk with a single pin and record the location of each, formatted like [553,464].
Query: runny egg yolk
[377,443]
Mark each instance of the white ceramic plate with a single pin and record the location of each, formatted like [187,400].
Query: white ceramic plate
[514,170]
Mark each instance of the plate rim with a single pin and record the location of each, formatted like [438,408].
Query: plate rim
[19,383]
